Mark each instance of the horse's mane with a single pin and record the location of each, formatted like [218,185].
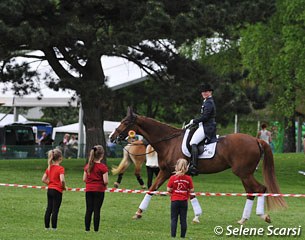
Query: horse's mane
[174,129]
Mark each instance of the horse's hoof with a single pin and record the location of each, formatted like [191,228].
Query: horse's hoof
[242,221]
[136,216]
[266,218]
[196,220]
[116,185]
[143,187]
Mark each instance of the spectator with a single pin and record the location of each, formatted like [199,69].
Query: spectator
[96,179]
[111,147]
[42,143]
[65,142]
[72,147]
[54,177]
[264,134]
[180,186]
[152,166]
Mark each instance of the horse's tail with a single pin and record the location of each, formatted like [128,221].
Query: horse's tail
[124,162]
[270,179]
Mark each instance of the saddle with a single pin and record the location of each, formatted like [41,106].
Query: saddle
[206,148]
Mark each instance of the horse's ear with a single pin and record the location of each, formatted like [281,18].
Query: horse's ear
[129,111]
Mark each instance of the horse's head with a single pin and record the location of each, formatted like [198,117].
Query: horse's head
[127,124]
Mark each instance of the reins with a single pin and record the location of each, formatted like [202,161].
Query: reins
[137,155]
[131,123]
[161,140]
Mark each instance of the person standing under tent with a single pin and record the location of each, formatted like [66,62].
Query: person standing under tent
[42,143]
[54,177]
[96,179]
[180,186]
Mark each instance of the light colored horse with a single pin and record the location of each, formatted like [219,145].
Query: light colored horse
[134,152]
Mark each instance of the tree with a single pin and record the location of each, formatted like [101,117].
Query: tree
[74,35]
[274,55]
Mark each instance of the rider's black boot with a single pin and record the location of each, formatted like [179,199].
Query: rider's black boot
[193,167]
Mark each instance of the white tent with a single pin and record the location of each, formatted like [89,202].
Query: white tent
[6,119]
[109,127]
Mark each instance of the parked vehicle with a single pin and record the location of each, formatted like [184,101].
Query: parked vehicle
[17,141]
[39,128]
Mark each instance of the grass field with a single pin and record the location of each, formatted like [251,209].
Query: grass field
[22,210]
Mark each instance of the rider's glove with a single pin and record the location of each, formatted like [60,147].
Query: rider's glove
[189,124]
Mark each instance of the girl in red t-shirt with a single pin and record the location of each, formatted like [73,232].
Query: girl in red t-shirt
[54,177]
[180,186]
[96,179]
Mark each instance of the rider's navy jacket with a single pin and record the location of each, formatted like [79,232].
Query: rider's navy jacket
[208,112]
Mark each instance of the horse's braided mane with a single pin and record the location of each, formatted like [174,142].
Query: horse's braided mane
[152,119]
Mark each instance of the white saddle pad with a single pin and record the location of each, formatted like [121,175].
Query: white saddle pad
[209,149]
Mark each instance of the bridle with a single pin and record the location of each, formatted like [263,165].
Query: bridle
[129,125]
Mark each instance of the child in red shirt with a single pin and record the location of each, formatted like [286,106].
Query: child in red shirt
[180,186]
[54,177]
[96,179]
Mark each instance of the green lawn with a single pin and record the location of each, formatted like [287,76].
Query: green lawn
[22,210]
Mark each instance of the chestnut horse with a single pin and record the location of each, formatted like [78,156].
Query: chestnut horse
[240,152]
[132,152]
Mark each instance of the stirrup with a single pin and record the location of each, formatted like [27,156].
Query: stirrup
[193,171]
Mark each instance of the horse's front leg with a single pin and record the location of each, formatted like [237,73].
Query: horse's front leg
[196,208]
[160,179]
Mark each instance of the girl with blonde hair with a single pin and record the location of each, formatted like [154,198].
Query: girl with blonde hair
[54,177]
[180,186]
[96,179]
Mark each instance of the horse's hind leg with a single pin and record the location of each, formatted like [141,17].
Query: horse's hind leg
[118,181]
[138,161]
[140,180]
[253,186]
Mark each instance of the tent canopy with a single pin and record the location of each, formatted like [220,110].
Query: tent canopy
[6,119]
[109,127]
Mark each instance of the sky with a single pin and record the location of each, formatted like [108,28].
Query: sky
[119,73]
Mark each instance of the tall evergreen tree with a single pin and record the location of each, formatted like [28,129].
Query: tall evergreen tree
[73,36]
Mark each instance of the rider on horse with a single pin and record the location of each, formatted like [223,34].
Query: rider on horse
[207,126]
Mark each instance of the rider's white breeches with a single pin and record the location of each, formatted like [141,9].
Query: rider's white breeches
[198,136]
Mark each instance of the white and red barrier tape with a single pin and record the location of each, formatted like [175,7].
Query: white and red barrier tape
[208,194]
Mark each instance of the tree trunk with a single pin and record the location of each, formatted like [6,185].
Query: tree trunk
[289,135]
[95,98]
[94,121]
